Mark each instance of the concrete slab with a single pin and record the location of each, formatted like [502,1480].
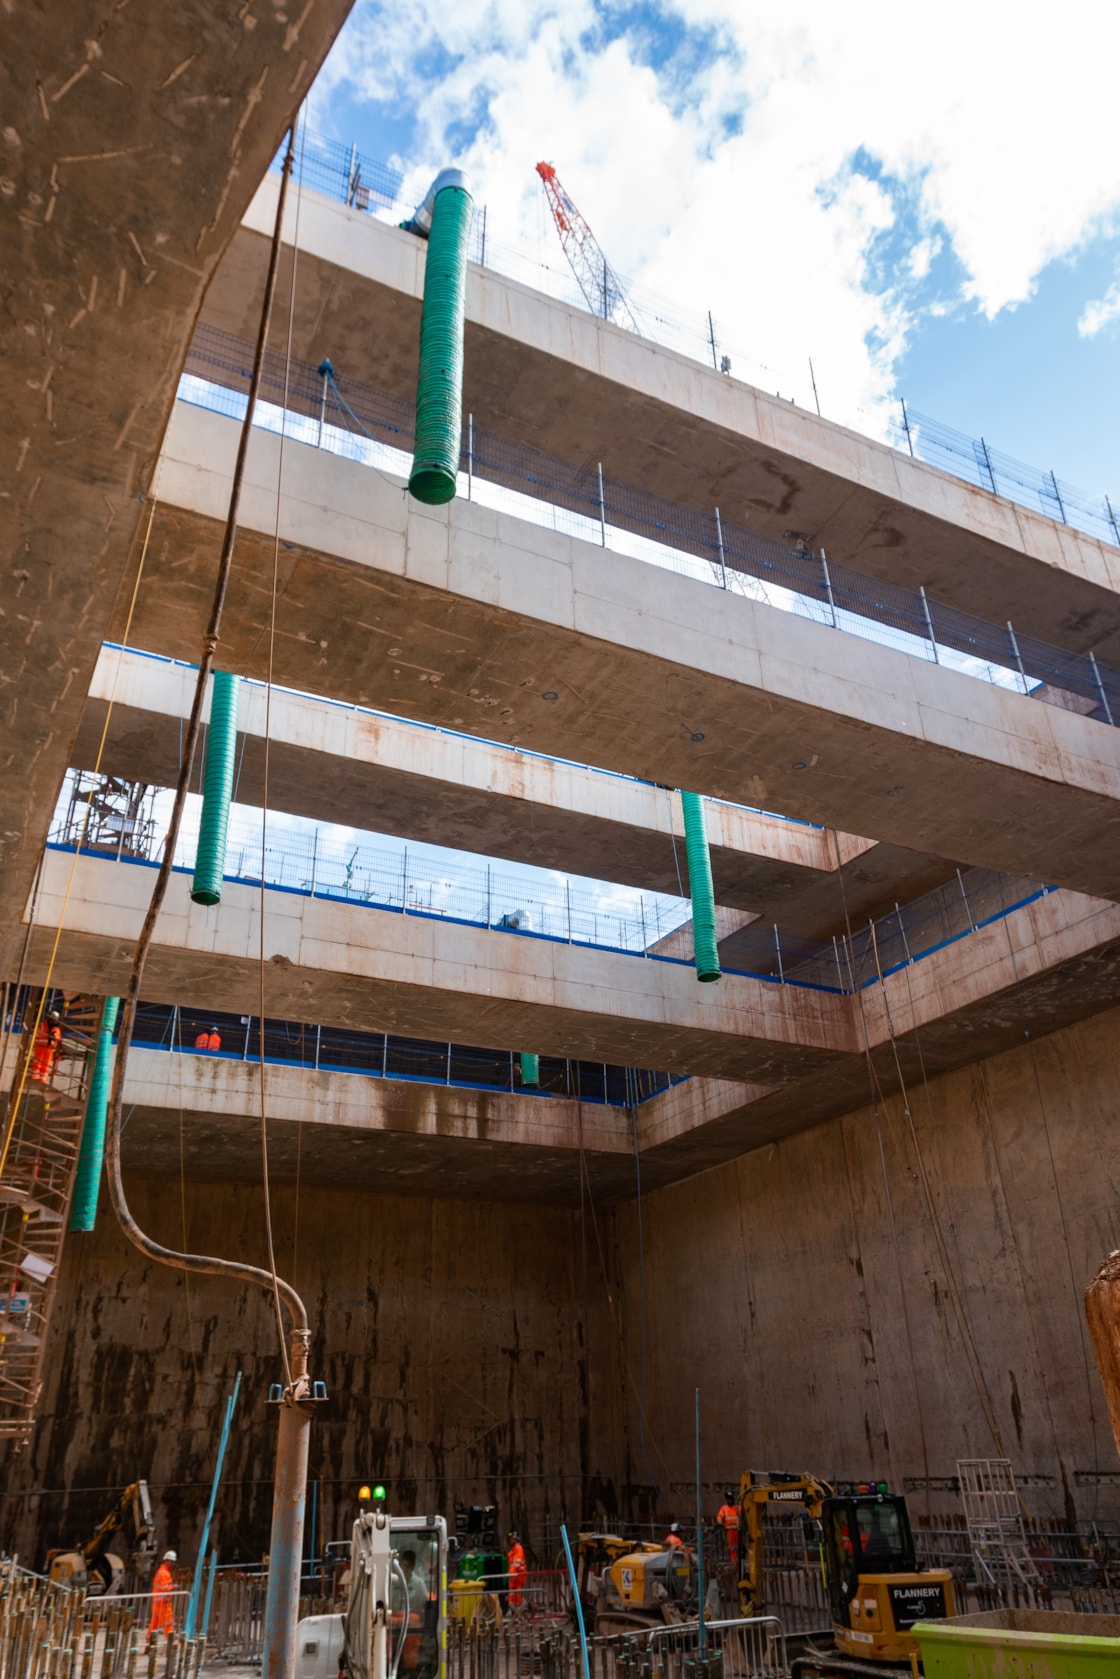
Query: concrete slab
[654,674]
[420,976]
[133,138]
[329,1128]
[332,763]
[544,373]
[1043,967]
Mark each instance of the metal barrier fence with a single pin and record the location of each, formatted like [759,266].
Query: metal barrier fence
[382,1055]
[586,502]
[751,1649]
[907,934]
[342,173]
[336,1049]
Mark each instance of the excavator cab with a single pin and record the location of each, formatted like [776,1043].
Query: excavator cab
[875,1589]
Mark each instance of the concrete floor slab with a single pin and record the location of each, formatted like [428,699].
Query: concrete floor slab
[331,763]
[657,675]
[541,372]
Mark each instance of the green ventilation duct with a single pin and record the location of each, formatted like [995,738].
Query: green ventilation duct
[92,1151]
[700,885]
[531,1072]
[445,216]
[217,790]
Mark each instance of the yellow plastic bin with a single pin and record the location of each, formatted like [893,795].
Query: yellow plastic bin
[1020,1644]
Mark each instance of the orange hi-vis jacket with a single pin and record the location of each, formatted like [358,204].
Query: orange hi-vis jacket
[162,1619]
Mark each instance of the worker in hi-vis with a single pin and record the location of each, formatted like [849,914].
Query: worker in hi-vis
[518,1572]
[728,1520]
[163,1584]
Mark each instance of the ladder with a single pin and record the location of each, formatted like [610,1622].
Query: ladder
[39,1144]
[993,1516]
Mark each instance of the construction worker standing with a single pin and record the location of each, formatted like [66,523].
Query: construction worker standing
[673,1537]
[517,1570]
[46,1048]
[163,1620]
[728,1519]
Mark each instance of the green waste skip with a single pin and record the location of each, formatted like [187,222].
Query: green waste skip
[83,1213]
[531,1072]
[217,790]
[446,217]
[701,888]
[1020,1644]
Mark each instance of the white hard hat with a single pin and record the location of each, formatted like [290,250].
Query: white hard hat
[170,1556]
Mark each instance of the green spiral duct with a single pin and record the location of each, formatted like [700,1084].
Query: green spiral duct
[531,1072]
[217,790]
[439,390]
[700,885]
[92,1151]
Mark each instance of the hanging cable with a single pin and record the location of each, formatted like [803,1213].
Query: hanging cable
[1074,1284]
[876,1111]
[17,1096]
[949,1278]
[201,1263]
[633,1106]
[267,741]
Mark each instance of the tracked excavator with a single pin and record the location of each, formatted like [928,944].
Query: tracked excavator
[394,1625]
[629,1586]
[876,1591]
[99,1571]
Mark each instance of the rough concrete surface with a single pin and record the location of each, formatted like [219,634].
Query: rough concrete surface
[451,1332]
[797,1317]
[133,139]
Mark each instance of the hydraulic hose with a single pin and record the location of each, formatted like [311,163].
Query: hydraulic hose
[91,1154]
[202,1263]
[221,745]
[701,888]
[447,213]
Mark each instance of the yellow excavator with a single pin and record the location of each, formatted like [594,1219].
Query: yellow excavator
[627,1586]
[99,1571]
[876,1591]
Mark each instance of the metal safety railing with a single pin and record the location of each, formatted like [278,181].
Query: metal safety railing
[397,884]
[350,177]
[336,1049]
[374,428]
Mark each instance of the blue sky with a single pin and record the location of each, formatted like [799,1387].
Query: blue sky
[926,206]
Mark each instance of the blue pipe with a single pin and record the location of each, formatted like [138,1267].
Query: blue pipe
[209,1593]
[196,1583]
[576,1601]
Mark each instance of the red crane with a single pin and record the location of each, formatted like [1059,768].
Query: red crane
[602,289]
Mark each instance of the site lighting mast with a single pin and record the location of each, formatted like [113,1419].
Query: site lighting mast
[602,289]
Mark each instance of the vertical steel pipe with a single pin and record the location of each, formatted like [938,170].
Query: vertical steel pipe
[289,1499]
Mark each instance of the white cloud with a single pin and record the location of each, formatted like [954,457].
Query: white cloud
[765,178]
[1101,312]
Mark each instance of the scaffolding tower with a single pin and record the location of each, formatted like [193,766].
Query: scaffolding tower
[107,813]
[38,1164]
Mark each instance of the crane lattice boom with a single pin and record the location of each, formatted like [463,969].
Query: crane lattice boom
[602,290]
